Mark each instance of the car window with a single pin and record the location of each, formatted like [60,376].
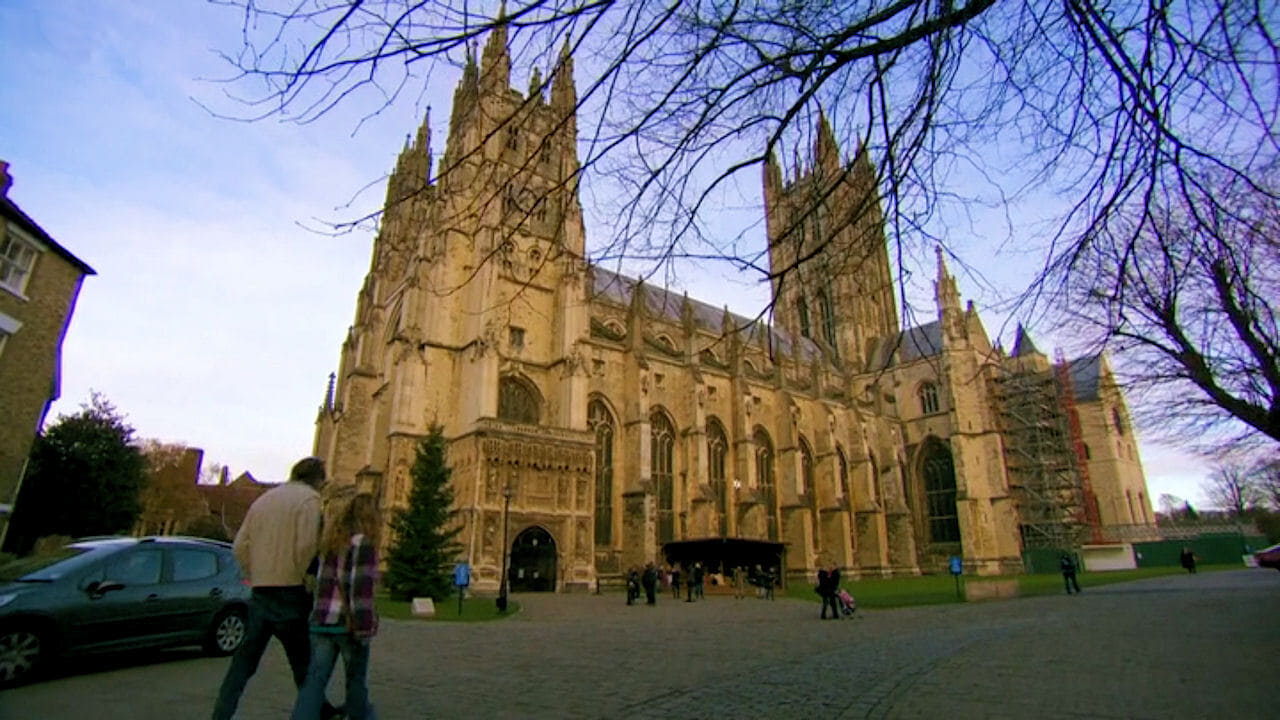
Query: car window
[193,564]
[36,568]
[135,568]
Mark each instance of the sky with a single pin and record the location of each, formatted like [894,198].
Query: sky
[219,306]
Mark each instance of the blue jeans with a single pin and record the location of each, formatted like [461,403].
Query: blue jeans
[325,648]
[273,611]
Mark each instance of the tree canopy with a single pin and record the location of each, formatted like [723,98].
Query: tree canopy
[84,477]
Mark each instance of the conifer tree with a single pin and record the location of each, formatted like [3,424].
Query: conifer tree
[423,553]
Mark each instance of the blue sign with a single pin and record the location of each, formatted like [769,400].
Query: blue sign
[462,574]
[956,566]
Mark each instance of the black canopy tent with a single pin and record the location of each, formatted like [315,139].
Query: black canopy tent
[723,554]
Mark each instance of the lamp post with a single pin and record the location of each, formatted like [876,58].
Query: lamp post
[502,586]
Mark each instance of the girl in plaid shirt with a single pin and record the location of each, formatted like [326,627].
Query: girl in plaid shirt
[343,620]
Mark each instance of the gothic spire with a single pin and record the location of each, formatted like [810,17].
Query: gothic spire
[495,62]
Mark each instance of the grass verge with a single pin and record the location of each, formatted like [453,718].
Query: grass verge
[474,609]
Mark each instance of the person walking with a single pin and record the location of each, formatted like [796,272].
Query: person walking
[275,546]
[675,581]
[739,583]
[699,577]
[1068,566]
[633,585]
[650,581]
[826,590]
[343,620]
[1188,559]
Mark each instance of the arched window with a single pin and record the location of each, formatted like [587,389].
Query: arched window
[1142,505]
[764,480]
[810,489]
[601,421]
[928,398]
[517,401]
[662,440]
[842,467]
[717,452]
[940,493]
[804,317]
[874,471]
[828,320]
[1128,496]
[1117,420]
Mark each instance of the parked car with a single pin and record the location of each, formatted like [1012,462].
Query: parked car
[1268,557]
[118,593]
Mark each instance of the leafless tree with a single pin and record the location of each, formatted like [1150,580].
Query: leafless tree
[1268,473]
[1105,106]
[1185,293]
[1233,488]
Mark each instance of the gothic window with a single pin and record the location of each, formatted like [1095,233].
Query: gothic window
[928,398]
[717,452]
[545,155]
[764,480]
[842,465]
[662,440]
[828,320]
[515,337]
[513,137]
[540,210]
[874,470]
[810,490]
[940,493]
[804,318]
[1142,505]
[1128,496]
[517,402]
[1117,420]
[599,419]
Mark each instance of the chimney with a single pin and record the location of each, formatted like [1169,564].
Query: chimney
[6,180]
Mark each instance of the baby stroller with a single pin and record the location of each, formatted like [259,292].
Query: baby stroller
[847,604]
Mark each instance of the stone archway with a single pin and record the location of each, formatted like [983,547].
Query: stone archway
[533,561]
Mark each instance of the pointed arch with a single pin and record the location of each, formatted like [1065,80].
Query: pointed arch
[518,400]
[765,479]
[810,487]
[662,443]
[602,423]
[937,470]
[803,307]
[717,455]
[828,319]
[842,475]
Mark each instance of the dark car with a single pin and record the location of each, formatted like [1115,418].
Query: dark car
[1268,557]
[106,594]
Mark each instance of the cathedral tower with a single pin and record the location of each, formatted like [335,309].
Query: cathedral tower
[827,254]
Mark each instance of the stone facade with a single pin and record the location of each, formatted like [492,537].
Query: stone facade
[603,417]
[39,283]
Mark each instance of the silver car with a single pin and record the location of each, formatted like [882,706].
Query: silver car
[119,593]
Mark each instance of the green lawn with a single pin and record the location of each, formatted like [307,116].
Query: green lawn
[941,589]
[474,609]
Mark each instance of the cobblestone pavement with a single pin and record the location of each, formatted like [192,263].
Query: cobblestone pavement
[1184,646]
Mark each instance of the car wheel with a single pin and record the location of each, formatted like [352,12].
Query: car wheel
[22,651]
[227,632]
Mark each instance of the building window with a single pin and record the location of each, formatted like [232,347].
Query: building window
[828,320]
[8,327]
[842,466]
[940,493]
[16,259]
[601,421]
[517,402]
[1128,496]
[515,337]
[764,480]
[513,137]
[662,440]
[810,491]
[874,470]
[717,452]
[1117,420]
[804,318]
[928,398]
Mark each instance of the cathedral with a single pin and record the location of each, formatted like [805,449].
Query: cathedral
[596,423]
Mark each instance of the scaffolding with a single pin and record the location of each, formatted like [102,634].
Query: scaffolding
[1044,455]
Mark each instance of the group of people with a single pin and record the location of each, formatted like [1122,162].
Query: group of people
[828,589]
[692,578]
[284,546]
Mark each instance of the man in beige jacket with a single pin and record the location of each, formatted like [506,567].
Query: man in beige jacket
[275,547]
